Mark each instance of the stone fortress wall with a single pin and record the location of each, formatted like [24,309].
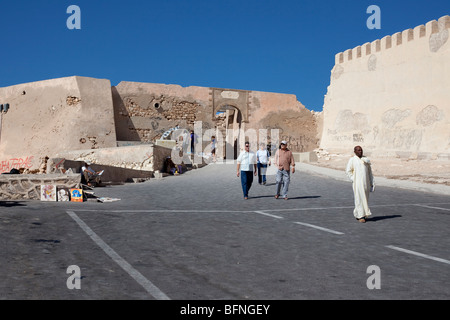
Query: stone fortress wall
[69,118]
[392,96]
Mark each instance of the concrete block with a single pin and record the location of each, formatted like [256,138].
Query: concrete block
[166,143]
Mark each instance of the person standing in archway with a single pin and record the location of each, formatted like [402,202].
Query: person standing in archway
[213,148]
[193,141]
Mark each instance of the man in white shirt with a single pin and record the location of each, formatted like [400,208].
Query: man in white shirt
[89,175]
[246,168]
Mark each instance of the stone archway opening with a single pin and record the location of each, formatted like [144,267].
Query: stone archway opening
[228,123]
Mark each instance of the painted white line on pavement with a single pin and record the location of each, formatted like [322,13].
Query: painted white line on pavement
[248,211]
[430,207]
[219,211]
[136,275]
[308,209]
[319,228]
[347,207]
[418,254]
[163,211]
[268,214]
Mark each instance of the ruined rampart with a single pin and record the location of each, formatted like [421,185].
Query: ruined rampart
[392,95]
[144,111]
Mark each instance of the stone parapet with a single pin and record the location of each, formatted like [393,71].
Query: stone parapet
[432,27]
[28,186]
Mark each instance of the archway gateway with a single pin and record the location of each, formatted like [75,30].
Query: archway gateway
[232,105]
[228,124]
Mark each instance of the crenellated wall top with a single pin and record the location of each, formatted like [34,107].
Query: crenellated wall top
[397,39]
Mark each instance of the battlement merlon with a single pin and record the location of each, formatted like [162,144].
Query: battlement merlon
[394,40]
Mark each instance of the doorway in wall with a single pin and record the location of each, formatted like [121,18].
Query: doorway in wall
[228,125]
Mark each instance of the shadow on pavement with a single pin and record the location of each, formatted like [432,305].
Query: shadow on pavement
[383,217]
[281,198]
[11,204]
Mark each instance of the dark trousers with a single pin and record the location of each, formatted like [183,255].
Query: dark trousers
[246,181]
[262,169]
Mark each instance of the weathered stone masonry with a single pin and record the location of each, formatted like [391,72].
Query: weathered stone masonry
[144,111]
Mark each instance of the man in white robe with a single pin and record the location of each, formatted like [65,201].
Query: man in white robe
[360,173]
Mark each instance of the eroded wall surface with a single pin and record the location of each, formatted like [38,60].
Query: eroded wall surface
[392,96]
[144,111]
[296,124]
[50,116]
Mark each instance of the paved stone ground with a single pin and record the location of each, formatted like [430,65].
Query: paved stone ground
[194,237]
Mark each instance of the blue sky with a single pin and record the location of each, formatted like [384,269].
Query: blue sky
[266,45]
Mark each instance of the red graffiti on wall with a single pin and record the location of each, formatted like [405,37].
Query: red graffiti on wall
[16,163]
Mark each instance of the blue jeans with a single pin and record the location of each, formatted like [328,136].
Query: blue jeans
[246,181]
[262,169]
[283,179]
